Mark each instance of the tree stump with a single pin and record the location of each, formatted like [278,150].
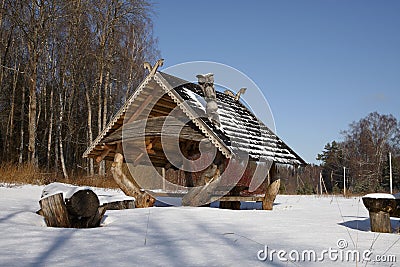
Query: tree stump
[74,207]
[380,222]
[54,211]
[270,195]
[379,213]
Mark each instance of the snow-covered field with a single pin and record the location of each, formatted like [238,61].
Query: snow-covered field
[334,228]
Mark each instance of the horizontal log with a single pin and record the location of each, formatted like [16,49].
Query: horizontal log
[213,198]
[154,127]
[238,198]
[83,203]
[120,205]
[104,153]
[65,205]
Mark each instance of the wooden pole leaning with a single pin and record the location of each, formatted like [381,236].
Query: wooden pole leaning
[129,187]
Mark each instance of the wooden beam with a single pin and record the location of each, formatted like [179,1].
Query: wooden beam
[166,102]
[198,196]
[103,154]
[257,198]
[149,151]
[140,109]
[136,161]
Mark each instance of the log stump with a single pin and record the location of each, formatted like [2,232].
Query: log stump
[379,213]
[54,211]
[70,206]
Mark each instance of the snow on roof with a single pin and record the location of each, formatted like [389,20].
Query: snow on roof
[240,130]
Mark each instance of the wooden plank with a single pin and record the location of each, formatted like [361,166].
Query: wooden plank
[238,198]
[166,102]
[161,109]
[258,198]
[120,205]
[155,113]
[154,127]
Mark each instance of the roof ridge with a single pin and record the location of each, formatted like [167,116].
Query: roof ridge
[117,116]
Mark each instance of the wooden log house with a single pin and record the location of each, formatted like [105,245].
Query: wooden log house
[185,139]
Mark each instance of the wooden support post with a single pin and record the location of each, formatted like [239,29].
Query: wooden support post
[143,199]
[344,181]
[270,195]
[198,196]
[233,205]
[103,154]
[140,109]
[390,174]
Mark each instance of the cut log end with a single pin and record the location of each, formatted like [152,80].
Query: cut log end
[83,203]
[81,210]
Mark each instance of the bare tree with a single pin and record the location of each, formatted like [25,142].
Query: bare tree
[64,66]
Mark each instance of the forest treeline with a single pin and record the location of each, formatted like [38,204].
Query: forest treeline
[66,67]
[364,156]
[361,158]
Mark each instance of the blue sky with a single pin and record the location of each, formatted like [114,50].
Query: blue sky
[320,64]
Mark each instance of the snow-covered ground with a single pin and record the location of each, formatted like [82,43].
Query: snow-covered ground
[334,228]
